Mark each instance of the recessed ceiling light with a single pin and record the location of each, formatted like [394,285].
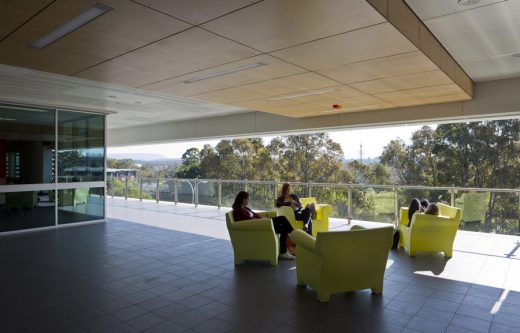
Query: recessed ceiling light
[226,72]
[90,14]
[6,119]
[516,55]
[467,2]
[302,95]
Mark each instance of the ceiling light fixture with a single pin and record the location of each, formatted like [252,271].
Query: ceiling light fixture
[6,119]
[302,95]
[467,2]
[90,14]
[350,108]
[21,108]
[226,72]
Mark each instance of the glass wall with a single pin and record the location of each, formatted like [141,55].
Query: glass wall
[81,142]
[27,142]
[43,151]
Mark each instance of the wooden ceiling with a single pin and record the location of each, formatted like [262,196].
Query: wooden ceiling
[309,54]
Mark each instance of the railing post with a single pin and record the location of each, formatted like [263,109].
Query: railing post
[219,193]
[196,192]
[309,189]
[452,195]
[349,217]
[245,185]
[518,233]
[396,207]
[126,188]
[141,189]
[157,194]
[176,190]
[275,195]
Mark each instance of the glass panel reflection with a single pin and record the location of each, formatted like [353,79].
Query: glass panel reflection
[81,205]
[81,142]
[27,142]
[25,210]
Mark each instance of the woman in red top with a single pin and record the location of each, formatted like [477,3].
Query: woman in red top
[281,225]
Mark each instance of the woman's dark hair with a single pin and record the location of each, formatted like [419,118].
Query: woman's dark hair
[424,203]
[415,206]
[432,209]
[285,188]
[239,199]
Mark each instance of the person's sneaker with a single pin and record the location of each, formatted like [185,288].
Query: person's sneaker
[286,256]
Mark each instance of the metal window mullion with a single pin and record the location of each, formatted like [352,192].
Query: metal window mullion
[56,167]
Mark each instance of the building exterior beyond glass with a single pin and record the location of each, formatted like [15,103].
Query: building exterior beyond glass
[52,167]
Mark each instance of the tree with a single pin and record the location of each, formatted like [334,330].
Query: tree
[190,167]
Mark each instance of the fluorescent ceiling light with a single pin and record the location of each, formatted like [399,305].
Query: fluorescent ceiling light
[225,72]
[6,119]
[90,14]
[12,107]
[302,95]
[467,2]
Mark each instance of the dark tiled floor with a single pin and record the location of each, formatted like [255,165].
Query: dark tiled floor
[126,277]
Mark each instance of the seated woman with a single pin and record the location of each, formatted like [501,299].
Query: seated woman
[281,225]
[287,198]
[432,209]
[415,207]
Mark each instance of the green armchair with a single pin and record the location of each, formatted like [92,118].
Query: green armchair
[342,261]
[73,197]
[253,239]
[320,224]
[19,200]
[429,233]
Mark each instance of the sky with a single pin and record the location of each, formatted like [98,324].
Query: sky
[373,141]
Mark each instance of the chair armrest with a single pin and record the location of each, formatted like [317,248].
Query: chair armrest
[269,214]
[325,209]
[304,240]
[250,225]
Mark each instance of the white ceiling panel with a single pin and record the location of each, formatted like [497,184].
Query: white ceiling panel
[427,9]
[481,32]
[196,11]
[177,55]
[360,45]
[274,24]
[499,67]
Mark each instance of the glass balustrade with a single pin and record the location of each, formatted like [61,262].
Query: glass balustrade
[483,210]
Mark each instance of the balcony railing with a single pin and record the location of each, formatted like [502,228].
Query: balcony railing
[483,209]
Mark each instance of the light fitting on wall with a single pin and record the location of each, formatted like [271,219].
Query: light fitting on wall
[226,72]
[467,2]
[90,14]
[302,95]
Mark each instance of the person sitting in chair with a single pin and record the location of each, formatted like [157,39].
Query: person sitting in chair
[287,198]
[281,225]
[432,209]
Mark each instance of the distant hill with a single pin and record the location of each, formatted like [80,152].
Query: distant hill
[138,156]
